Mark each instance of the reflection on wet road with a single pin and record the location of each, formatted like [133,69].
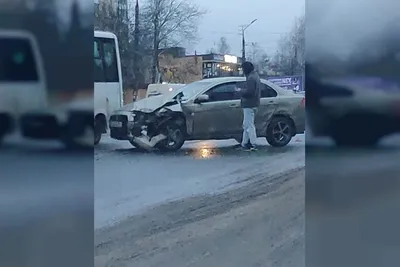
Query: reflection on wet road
[129,181]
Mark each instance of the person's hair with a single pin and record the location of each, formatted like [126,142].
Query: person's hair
[247,67]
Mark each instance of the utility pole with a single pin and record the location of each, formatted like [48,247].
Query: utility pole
[294,62]
[136,51]
[243,29]
[156,42]
[243,45]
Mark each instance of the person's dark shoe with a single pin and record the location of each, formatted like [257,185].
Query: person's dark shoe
[252,148]
[243,148]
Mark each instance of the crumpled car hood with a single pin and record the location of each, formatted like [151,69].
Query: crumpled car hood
[147,104]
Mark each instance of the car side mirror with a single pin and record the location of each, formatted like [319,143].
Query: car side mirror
[201,99]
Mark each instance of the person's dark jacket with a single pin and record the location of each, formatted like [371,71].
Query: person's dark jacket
[251,94]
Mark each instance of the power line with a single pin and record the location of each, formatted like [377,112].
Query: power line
[239,33]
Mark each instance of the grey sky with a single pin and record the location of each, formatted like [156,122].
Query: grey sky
[274,18]
[363,25]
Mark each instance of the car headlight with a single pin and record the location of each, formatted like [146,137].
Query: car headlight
[131,117]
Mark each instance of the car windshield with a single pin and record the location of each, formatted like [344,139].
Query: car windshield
[191,89]
[17,61]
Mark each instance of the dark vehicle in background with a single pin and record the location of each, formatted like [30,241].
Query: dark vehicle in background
[353,111]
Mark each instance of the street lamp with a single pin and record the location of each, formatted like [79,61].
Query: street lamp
[244,41]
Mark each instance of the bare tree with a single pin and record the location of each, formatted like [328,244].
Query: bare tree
[180,70]
[259,58]
[105,16]
[172,21]
[290,56]
[223,46]
[210,50]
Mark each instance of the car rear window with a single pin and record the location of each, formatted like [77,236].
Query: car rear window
[17,61]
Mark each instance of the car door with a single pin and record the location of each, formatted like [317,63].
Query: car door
[221,115]
[268,106]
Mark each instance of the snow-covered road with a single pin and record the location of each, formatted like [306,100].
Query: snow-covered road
[128,181]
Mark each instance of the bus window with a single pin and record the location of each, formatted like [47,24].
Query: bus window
[99,74]
[17,61]
[110,60]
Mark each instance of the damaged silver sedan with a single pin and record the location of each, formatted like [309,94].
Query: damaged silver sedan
[207,109]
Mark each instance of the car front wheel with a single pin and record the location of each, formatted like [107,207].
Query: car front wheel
[279,131]
[176,137]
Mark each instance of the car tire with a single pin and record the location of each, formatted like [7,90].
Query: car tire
[6,124]
[351,131]
[1,138]
[355,140]
[71,143]
[136,146]
[280,131]
[98,129]
[179,138]
[97,136]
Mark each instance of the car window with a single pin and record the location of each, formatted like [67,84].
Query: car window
[191,89]
[223,92]
[267,91]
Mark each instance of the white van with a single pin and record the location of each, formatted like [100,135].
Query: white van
[22,78]
[108,90]
[72,123]
[162,88]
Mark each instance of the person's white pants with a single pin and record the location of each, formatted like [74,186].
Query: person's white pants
[249,129]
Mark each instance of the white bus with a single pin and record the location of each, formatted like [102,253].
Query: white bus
[108,91]
[22,78]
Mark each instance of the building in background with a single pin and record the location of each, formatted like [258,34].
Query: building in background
[177,67]
[217,65]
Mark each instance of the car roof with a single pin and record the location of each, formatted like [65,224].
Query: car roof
[215,81]
[364,85]
[17,34]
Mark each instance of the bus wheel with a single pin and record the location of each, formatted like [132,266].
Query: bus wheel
[99,127]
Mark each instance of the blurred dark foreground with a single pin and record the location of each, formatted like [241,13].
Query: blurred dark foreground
[46,192]
[352,194]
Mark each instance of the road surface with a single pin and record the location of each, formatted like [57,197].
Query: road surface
[128,181]
[46,205]
[352,204]
[207,204]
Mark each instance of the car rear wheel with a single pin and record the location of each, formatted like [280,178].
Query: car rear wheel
[6,124]
[176,137]
[84,142]
[355,141]
[356,131]
[1,137]
[280,131]
[354,138]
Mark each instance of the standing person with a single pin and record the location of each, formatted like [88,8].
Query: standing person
[250,101]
